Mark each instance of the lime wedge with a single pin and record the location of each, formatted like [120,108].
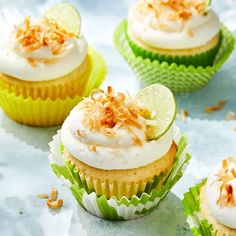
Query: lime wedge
[160,102]
[67,16]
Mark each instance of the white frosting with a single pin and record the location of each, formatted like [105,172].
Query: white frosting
[13,59]
[226,215]
[117,152]
[147,28]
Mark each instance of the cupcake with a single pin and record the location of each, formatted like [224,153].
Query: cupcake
[211,205]
[178,43]
[119,154]
[46,67]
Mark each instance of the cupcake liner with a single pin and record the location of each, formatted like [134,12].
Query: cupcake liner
[179,78]
[39,112]
[112,208]
[111,188]
[191,204]
[202,59]
[70,85]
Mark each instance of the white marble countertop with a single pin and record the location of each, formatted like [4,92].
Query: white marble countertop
[24,165]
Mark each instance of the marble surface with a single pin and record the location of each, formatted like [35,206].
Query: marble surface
[24,169]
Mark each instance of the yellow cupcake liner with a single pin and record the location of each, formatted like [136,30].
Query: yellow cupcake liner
[42,113]
[70,85]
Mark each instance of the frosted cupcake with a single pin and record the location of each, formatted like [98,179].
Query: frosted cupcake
[185,32]
[46,67]
[211,205]
[117,151]
[164,38]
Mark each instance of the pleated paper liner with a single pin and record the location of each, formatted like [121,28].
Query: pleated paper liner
[48,112]
[197,223]
[202,59]
[179,78]
[113,208]
[117,184]
[191,204]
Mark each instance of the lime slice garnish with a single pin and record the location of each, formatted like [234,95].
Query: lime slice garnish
[161,105]
[208,2]
[67,16]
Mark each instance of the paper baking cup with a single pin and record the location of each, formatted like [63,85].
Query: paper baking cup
[39,112]
[112,208]
[179,78]
[191,204]
[201,59]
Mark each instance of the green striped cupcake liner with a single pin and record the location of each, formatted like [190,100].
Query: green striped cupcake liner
[179,78]
[203,59]
[191,204]
[114,209]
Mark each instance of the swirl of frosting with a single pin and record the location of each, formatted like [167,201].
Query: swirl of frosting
[172,24]
[41,51]
[221,193]
[110,133]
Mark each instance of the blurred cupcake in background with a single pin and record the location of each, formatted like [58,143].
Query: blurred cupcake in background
[178,43]
[119,154]
[211,205]
[184,32]
[47,67]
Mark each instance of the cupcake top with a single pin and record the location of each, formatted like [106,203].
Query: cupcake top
[41,49]
[110,131]
[221,193]
[173,24]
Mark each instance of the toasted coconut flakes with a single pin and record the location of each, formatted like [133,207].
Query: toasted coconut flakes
[80,133]
[230,115]
[226,190]
[53,196]
[225,164]
[32,36]
[190,33]
[233,172]
[180,9]
[55,204]
[218,107]
[106,111]
[42,196]
[93,148]
[32,62]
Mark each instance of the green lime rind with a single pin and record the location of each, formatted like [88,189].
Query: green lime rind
[124,208]
[67,16]
[202,59]
[191,204]
[160,101]
[179,78]
[208,2]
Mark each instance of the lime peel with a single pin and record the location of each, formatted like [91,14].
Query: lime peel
[67,16]
[160,101]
